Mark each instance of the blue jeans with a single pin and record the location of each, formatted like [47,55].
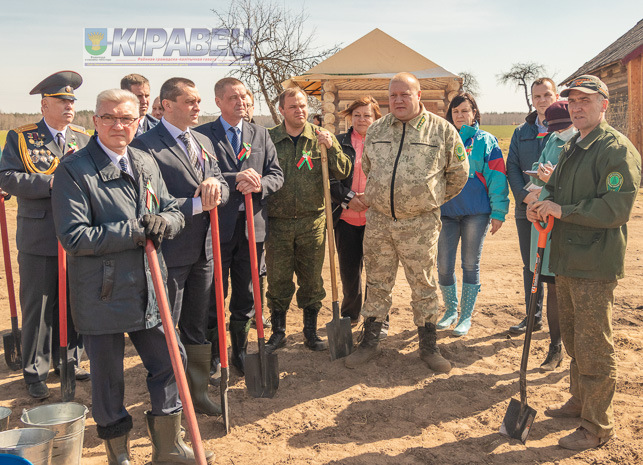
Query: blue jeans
[472,229]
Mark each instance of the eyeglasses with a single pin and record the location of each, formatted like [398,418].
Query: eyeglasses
[109,120]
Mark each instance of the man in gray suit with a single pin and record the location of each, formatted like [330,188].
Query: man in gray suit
[192,175]
[140,86]
[248,160]
[31,155]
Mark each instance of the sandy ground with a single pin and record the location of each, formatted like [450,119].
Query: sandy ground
[395,410]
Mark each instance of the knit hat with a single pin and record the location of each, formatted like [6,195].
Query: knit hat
[557,116]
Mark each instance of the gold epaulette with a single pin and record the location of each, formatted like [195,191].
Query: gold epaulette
[80,129]
[26,127]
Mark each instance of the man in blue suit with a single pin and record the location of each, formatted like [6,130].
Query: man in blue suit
[140,86]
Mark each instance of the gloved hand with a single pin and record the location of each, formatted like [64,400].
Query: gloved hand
[154,228]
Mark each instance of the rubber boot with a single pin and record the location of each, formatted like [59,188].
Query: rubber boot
[450,297]
[278,337]
[167,442]
[369,344]
[118,450]
[429,352]
[197,373]
[554,358]
[239,342]
[215,361]
[311,339]
[468,303]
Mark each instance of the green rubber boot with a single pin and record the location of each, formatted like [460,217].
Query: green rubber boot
[468,304]
[450,297]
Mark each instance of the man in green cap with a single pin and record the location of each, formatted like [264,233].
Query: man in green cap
[591,195]
[30,157]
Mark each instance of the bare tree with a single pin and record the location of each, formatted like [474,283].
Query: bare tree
[469,83]
[521,75]
[280,46]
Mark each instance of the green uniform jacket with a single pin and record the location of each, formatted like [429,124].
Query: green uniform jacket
[302,193]
[595,182]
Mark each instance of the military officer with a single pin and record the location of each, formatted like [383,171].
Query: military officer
[31,155]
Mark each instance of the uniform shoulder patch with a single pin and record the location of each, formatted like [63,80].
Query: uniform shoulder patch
[80,129]
[614,181]
[421,122]
[459,151]
[26,127]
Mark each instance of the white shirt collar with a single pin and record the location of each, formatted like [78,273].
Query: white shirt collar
[116,158]
[227,125]
[173,130]
[54,132]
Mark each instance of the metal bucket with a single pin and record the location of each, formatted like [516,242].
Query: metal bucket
[34,444]
[4,418]
[67,420]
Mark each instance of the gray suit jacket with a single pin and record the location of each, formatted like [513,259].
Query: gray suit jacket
[180,177]
[263,159]
[35,232]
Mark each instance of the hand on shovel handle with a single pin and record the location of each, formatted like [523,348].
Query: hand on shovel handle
[175,357]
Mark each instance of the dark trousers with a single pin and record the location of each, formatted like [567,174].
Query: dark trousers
[350,255]
[524,226]
[106,353]
[40,328]
[190,291]
[235,263]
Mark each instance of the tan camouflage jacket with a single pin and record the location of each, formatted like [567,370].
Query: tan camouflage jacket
[412,168]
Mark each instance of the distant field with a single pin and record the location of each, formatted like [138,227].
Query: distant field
[3,137]
[501,132]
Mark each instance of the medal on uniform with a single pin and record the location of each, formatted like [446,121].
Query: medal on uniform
[150,196]
[305,159]
[245,152]
[204,152]
[73,146]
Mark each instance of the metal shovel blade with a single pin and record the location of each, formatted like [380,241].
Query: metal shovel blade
[12,349]
[518,421]
[67,377]
[340,335]
[223,388]
[262,373]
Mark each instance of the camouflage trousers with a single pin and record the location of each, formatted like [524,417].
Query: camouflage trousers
[295,245]
[585,313]
[412,241]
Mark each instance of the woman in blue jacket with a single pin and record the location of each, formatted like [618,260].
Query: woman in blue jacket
[483,201]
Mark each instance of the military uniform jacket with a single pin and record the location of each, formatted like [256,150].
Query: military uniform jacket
[595,182]
[412,168]
[97,212]
[262,157]
[181,180]
[302,194]
[35,230]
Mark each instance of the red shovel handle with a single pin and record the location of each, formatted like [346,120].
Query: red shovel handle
[62,294]
[175,357]
[254,264]
[543,231]
[218,287]
[7,259]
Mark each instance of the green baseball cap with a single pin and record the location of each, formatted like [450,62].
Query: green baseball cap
[587,84]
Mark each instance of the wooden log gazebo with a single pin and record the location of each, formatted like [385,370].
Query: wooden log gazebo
[365,67]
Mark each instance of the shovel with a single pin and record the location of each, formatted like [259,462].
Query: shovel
[262,369]
[67,367]
[223,343]
[175,356]
[12,341]
[520,416]
[340,335]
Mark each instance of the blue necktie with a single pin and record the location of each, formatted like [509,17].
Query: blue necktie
[236,146]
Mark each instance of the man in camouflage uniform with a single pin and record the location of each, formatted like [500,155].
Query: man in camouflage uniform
[297,219]
[414,162]
[591,195]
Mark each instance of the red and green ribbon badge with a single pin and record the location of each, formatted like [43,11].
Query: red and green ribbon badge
[305,159]
[469,149]
[149,196]
[541,135]
[73,146]
[245,152]
[204,153]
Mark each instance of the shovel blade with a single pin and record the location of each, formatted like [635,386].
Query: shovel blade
[518,421]
[223,387]
[262,374]
[67,378]
[12,354]
[340,337]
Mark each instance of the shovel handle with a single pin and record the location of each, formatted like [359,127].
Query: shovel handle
[329,224]
[218,287]
[62,295]
[544,230]
[254,265]
[175,357]
[7,259]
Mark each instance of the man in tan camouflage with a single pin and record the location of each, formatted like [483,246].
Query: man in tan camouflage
[414,162]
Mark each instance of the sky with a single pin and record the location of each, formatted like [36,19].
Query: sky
[482,37]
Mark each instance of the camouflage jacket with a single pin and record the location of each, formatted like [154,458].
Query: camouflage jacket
[412,168]
[302,193]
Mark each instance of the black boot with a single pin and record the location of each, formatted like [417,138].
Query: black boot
[278,338]
[369,344]
[239,341]
[554,358]
[429,352]
[215,361]
[311,340]
[521,327]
